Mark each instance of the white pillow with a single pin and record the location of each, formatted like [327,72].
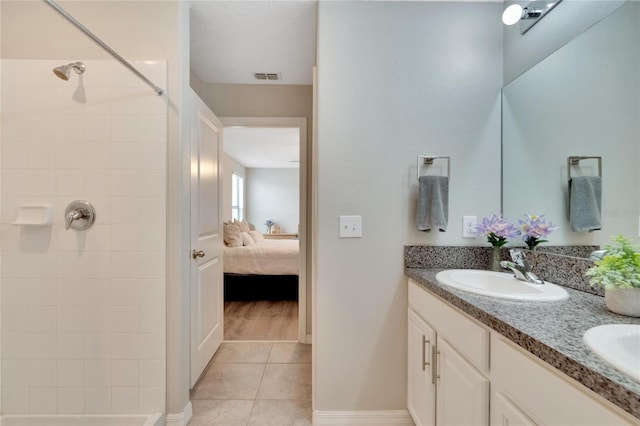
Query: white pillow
[257,236]
[231,235]
[244,226]
[246,239]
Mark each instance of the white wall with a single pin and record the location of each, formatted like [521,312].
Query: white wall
[566,21]
[274,194]
[229,167]
[256,100]
[395,80]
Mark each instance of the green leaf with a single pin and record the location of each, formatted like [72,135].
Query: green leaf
[620,267]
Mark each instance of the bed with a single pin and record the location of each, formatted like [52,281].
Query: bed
[265,270]
[267,257]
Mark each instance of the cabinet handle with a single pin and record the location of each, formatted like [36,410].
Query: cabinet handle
[434,367]
[425,342]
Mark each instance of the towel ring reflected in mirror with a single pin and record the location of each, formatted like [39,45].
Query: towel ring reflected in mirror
[427,160]
[574,160]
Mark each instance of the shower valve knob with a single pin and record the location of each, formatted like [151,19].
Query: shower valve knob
[79,215]
[74,215]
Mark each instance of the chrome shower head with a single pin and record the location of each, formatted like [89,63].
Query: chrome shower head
[63,71]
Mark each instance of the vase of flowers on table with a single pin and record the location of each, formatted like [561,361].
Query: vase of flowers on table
[269,224]
[497,230]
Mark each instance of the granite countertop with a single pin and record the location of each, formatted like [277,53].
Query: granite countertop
[552,331]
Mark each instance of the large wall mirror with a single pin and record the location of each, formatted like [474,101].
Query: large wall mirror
[583,100]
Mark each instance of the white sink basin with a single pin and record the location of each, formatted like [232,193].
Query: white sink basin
[617,344]
[500,284]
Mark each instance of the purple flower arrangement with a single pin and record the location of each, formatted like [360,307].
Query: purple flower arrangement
[533,229]
[498,230]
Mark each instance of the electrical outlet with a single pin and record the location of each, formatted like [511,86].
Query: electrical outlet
[350,226]
[469,226]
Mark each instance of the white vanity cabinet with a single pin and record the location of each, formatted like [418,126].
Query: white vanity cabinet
[462,391]
[421,396]
[537,394]
[445,387]
[505,412]
[452,380]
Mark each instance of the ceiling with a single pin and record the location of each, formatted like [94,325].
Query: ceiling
[263,147]
[232,40]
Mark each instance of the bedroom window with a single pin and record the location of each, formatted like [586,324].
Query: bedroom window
[237,197]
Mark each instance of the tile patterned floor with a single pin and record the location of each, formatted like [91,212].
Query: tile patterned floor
[255,384]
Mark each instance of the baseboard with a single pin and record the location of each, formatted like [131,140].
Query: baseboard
[180,419]
[386,417]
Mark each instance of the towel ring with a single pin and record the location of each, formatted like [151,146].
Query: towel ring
[574,160]
[428,160]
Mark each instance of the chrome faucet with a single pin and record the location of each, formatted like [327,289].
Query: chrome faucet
[520,267]
[597,255]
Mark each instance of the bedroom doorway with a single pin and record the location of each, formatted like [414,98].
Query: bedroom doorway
[261,175]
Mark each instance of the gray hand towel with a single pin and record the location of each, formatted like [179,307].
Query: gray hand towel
[433,203]
[585,202]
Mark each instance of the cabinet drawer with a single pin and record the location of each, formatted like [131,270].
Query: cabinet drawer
[466,335]
[544,394]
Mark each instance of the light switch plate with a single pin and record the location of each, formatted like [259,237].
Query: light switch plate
[350,226]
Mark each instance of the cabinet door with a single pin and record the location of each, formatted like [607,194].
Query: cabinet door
[421,391]
[463,392]
[505,413]
[546,395]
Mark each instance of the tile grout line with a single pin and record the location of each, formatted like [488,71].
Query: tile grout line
[267,361]
[259,384]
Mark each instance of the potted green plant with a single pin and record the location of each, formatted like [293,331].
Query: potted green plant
[619,273]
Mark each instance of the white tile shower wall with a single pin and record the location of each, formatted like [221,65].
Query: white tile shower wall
[83,313]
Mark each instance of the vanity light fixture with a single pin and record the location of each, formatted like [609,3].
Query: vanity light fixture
[528,16]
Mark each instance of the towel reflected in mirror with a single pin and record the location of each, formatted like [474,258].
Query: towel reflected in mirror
[585,203]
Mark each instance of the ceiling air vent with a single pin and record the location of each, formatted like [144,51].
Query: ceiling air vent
[266,76]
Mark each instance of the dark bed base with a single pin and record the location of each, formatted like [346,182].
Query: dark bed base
[260,287]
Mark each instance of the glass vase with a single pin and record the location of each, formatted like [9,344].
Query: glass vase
[494,263]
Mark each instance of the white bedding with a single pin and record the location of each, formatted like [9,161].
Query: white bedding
[268,257]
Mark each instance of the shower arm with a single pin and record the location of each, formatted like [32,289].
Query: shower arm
[102,44]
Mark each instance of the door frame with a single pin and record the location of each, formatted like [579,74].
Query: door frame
[301,124]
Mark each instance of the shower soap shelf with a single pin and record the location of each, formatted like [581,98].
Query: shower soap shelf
[34,215]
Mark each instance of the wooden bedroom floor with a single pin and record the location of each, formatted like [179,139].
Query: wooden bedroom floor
[261,320]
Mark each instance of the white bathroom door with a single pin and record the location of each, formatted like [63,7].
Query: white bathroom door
[207,302]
